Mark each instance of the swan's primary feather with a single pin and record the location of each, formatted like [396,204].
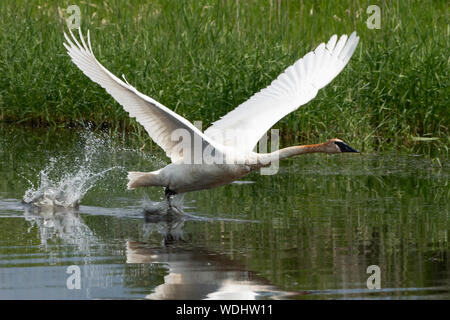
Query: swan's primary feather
[157,120]
[242,127]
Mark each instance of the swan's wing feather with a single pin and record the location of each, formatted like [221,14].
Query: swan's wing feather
[157,120]
[297,85]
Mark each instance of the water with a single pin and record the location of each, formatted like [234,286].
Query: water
[66,179]
[309,232]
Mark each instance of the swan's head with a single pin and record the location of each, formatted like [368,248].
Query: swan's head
[338,146]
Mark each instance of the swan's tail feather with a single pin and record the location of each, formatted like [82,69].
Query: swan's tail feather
[142,179]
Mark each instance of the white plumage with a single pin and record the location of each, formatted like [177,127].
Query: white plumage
[157,120]
[297,85]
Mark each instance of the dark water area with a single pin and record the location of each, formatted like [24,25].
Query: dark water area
[309,232]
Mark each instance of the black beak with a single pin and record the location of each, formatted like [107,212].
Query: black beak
[345,147]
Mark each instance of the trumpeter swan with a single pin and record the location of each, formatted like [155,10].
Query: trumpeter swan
[225,139]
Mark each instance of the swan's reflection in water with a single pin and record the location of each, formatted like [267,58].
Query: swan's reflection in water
[193,272]
[196,273]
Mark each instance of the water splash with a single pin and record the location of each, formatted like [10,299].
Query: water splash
[66,179]
[63,223]
[160,210]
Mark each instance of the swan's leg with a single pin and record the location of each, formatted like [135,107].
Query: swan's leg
[168,195]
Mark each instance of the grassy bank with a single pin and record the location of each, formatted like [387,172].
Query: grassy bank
[203,58]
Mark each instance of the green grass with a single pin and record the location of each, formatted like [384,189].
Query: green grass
[203,58]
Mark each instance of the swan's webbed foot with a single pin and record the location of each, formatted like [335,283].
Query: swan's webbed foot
[168,195]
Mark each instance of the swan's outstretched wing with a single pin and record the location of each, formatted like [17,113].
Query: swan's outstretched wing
[159,121]
[298,84]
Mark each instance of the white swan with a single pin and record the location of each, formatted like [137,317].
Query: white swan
[225,139]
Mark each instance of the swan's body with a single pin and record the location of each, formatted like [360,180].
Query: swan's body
[183,177]
[191,168]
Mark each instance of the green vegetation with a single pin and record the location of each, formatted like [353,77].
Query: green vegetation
[203,58]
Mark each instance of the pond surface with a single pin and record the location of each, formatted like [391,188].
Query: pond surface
[309,232]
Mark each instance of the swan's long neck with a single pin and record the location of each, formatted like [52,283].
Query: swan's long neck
[299,150]
[291,152]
